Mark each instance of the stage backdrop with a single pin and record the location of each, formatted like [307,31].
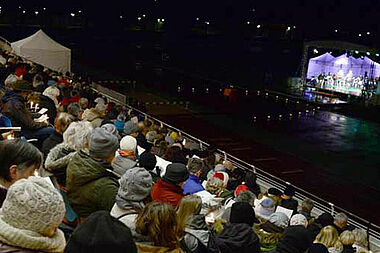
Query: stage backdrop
[342,65]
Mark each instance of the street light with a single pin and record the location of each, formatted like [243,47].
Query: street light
[258,26]
[360,34]
[72,14]
[368,33]
[36,12]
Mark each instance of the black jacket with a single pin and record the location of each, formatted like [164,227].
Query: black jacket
[48,103]
[53,140]
[234,238]
[296,239]
[291,204]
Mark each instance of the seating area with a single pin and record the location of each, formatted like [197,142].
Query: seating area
[82,171]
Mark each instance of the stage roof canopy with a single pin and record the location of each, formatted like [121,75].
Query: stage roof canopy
[340,45]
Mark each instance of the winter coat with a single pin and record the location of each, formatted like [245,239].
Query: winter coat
[57,161]
[49,143]
[291,204]
[235,237]
[348,249]
[121,164]
[4,248]
[91,185]
[269,235]
[14,108]
[93,116]
[48,103]
[192,185]
[167,193]
[145,248]
[296,239]
[196,234]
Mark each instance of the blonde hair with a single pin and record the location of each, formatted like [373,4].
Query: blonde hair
[62,121]
[329,237]
[347,238]
[360,237]
[158,221]
[189,206]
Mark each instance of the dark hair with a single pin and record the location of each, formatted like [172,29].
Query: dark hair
[250,181]
[18,153]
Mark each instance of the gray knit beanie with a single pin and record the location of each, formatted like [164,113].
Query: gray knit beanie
[279,219]
[135,186]
[112,129]
[33,204]
[102,143]
[130,127]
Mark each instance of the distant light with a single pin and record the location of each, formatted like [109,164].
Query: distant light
[36,12]
[197,19]
[121,17]
[360,34]
[294,27]
[315,51]
[163,20]
[253,9]
[377,55]
[368,53]
[19,7]
[258,26]
[72,14]
[144,16]
[79,11]
[368,33]
[336,30]
[356,52]
[248,22]
[139,18]
[288,29]
[23,12]
[330,52]
[207,23]
[44,9]
[158,20]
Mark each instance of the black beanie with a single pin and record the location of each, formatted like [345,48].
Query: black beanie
[274,192]
[325,219]
[242,212]
[147,161]
[289,191]
[176,173]
[101,233]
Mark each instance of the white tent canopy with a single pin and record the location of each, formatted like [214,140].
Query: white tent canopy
[41,49]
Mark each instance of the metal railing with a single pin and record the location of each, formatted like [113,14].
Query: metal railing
[265,179]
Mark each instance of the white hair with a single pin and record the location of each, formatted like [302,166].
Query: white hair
[52,93]
[341,217]
[77,135]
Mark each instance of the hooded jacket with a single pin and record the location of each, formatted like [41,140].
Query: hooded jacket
[14,108]
[91,185]
[167,193]
[238,237]
[122,164]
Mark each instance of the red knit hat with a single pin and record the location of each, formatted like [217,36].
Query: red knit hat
[241,188]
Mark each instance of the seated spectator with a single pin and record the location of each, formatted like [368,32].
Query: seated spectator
[330,238]
[62,122]
[217,168]
[148,161]
[15,109]
[107,234]
[307,206]
[241,195]
[237,236]
[361,239]
[217,185]
[340,223]
[94,116]
[45,102]
[75,138]
[126,159]
[90,181]
[75,111]
[296,238]
[271,231]
[287,200]
[120,121]
[193,184]
[150,139]
[30,216]
[169,188]
[325,219]
[250,181]
[18,160]
[347,238]
[83,103]
[275,194]
[192,224]
[210,161]
[174,154]
[265,208]
[131,129]
[163,234]
[133,195]
[53,93]
[317,248]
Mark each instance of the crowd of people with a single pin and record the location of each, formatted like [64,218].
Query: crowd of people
[87,175]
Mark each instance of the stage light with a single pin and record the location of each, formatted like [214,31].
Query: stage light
[121,17]
[44,9]
[158,20]
[258,26]
[377,54]
[163,20]
[79,11]
[72,14]
[139,18]
[368,33]
[360,34]
[336,30]
[23,12]
[368,53]
[144,16]
[356,52]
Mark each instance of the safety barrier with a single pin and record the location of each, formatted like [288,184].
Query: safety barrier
[265,179]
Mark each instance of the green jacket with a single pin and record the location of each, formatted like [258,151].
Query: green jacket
[90,185]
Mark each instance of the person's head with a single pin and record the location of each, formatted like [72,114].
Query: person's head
[188,207]
[265,208]
[279,219]
[159,222]
[325,219]
[299,220]
[340,220]
[176,174]
[360,237]
[112,129]
[240,188]
[18,160]
[307,205]
[274,193]
[347,238]
[62,122]
[229,166]
[246,196]
[289,192]
[151,136]
[75,110]
[242,212]
[128,144]
[195,165]
[23,88]
[77,135]
[83,103]
[173,153]
[222,176]
[250,179]
[53,93]
[107,234]
[103,145]
[131,129]
[329,237]
[148,161]
[135,186]
[215,186]
[35,205]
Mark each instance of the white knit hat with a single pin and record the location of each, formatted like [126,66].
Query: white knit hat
[33,204]
[128,143]
[298,219]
